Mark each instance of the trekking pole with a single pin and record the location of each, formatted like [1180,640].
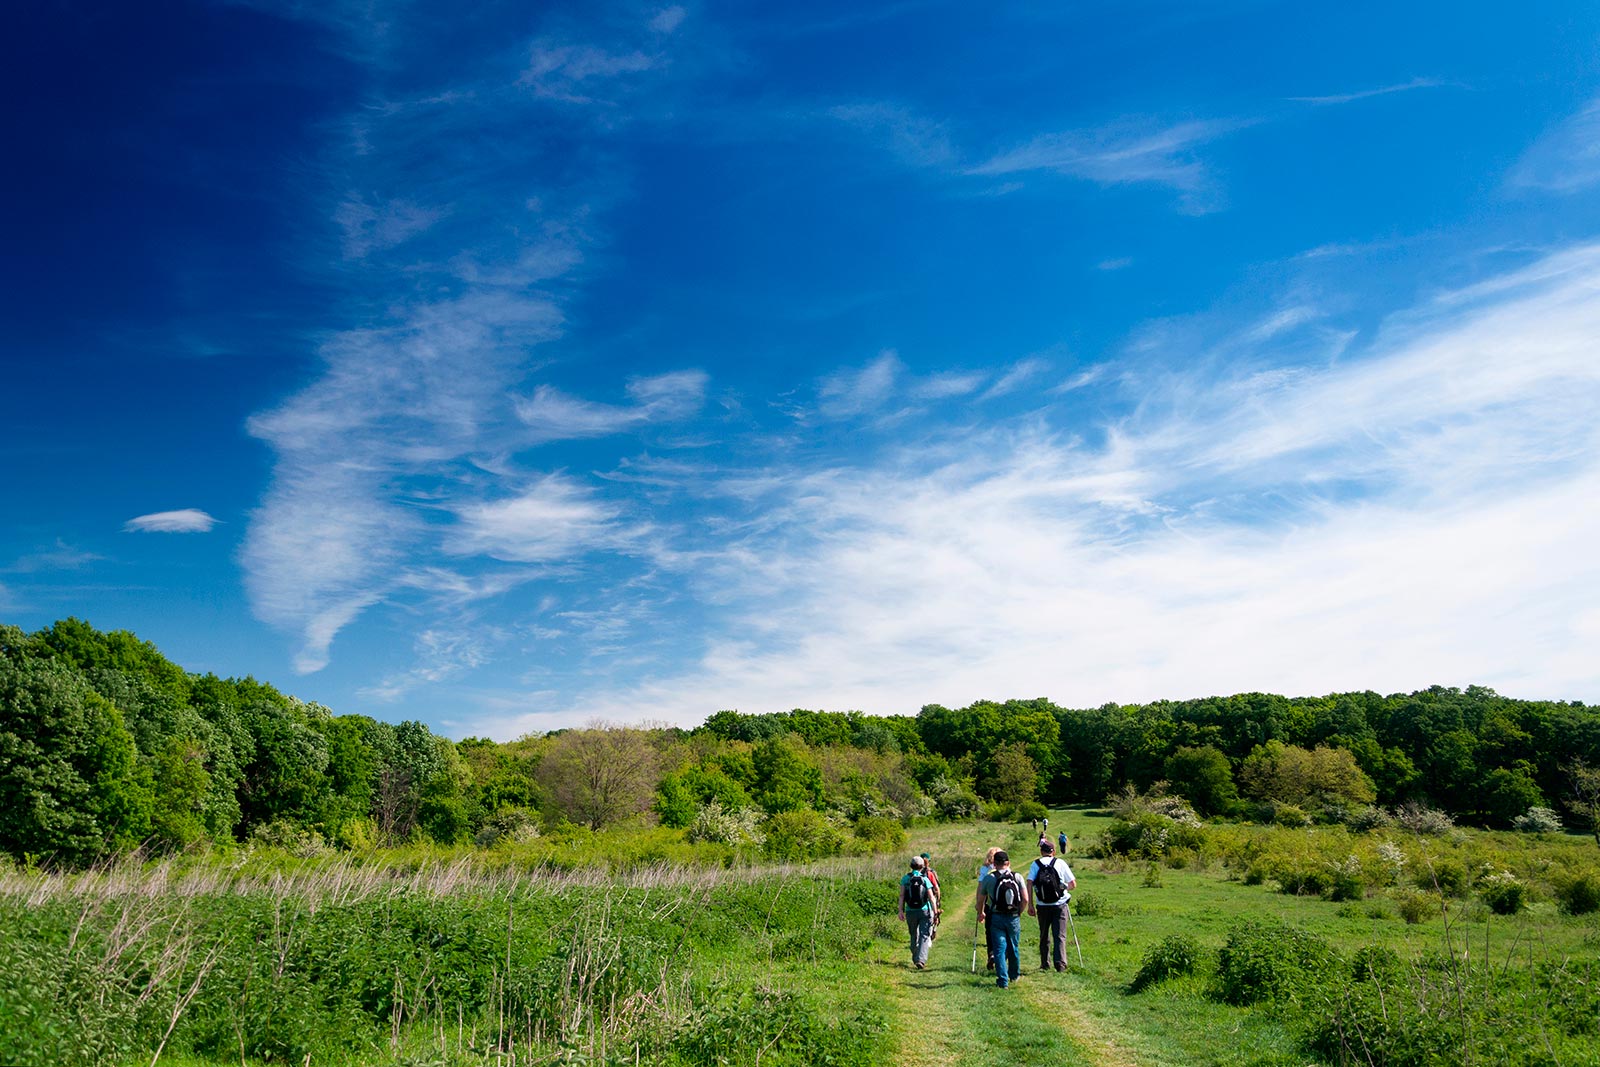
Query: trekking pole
[974,943]
[1074,932]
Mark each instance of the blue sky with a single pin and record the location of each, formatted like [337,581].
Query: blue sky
[508,366]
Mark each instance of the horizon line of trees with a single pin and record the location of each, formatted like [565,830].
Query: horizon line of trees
[107,746]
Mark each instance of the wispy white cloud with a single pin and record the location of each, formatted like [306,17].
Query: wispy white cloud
[948,384]
[555,416]
[669,19]
[1567,158]
[1086,377]
[846,394]
[576,73]
[552,415]
[438,656]
[1016,376]
[554,518]
[62,557]
[1125,153]
[1422,511]
[1364,94]
[184,520]
[1118,263]
[369,227]
[913,138]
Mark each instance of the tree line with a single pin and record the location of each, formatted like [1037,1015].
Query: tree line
[106,746]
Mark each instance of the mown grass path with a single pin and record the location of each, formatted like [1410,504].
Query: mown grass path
[947,1014]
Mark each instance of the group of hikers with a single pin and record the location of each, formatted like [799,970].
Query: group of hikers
[1002,897]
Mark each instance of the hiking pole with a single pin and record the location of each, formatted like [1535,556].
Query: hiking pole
[1074,926]
[975,943]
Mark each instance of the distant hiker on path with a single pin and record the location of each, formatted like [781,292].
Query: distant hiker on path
[1061,843]
[918,902]
[1035,822]
[1002,897]
[1046,826]
[1050,878]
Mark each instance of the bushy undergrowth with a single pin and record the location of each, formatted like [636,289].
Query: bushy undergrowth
[590,968]
[1443,1010]
[1175,955]
[1265,960]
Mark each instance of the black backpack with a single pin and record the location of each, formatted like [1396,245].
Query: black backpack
[917,891]
[1008,893]
[1047,883]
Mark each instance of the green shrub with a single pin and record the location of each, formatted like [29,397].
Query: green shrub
[1088,903]
[1537,820]
[786,1027]
[1278,813]
[880,832]
[1448,877]
[1375,963]
[1268,960]
[1148,836]
[1175,955]
[1369,818]
[1152,875]
[1299,881]
[1031,809]
[1503,892]
[1416,906]
[1421,819]
[1578,892]
[801,835]
[1346,880]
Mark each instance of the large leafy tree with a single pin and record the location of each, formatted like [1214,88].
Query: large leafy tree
[1202,776]
[599,775]
[70,783]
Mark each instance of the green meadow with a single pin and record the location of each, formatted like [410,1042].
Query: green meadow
[1224,944]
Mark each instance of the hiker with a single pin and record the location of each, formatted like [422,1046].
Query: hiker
[1035,822]
[1049,880]
[933,877]
[1002,897]
[918,903]
[1047,824]
[983,869]
[1061,843]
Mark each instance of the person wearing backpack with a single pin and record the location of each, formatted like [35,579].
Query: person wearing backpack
[1002,898]
[919,900]
[1050,879]
[938,894]
[1061,843]
[988,936]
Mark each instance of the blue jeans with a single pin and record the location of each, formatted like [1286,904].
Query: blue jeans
[1005,932]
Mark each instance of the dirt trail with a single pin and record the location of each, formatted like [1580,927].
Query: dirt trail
[948,1015]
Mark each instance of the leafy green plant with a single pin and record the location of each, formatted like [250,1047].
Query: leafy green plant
[1503,892]
[1174,955]
[1415,905]
[1537,820]
[1578,892]
[1268,960]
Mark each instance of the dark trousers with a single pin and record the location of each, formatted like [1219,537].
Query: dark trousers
[1052,931]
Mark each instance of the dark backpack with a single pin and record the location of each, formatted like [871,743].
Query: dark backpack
[1047,883]
[1008,893]
[917,892]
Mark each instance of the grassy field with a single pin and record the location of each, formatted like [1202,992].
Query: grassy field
[460,962]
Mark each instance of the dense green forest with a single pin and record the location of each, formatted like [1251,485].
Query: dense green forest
[107,746]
